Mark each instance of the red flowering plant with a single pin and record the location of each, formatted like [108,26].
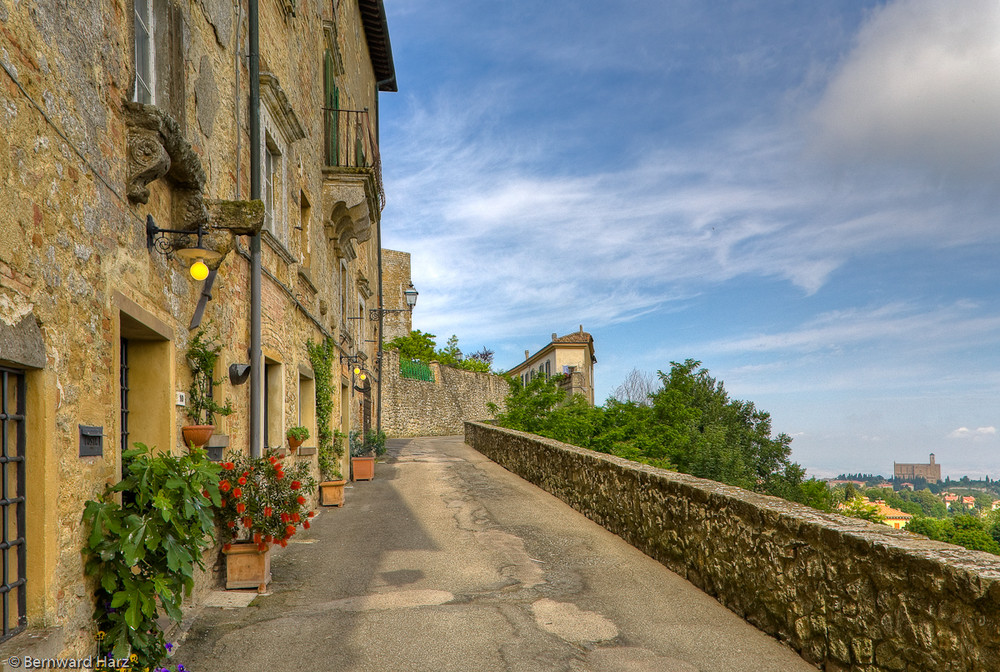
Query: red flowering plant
[261,501]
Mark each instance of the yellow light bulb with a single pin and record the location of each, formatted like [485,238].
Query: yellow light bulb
[356,370]
[363,376]
[199,271]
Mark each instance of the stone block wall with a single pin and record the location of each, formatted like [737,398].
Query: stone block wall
[420,408]
[846,594]
[76,275]
[395,280]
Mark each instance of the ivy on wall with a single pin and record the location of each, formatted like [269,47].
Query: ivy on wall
[329,442]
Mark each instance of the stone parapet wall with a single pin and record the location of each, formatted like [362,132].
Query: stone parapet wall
[420,408]
[846,594]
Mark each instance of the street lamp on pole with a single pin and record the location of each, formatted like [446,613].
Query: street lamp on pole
[410,294]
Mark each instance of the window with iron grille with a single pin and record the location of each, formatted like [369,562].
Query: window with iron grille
[12,541]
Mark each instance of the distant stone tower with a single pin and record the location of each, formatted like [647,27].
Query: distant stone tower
[395,280]
[930,472]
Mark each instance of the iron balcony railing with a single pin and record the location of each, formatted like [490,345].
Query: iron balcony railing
[349,142]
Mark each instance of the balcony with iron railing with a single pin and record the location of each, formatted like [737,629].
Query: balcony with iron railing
[349,143]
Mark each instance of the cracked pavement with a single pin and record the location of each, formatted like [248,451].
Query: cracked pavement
[447,562]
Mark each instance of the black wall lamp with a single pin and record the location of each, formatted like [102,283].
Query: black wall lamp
[356,368]
[410,294]
[197,256]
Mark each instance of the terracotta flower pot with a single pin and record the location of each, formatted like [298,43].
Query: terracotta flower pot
[293,444]
[197,434]
[331,493]
[363,468]
[247,567]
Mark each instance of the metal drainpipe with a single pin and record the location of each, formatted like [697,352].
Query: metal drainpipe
[381,304]
[255,254]
[381,324]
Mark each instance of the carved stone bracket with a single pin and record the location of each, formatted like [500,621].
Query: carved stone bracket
[157,148]
[148,161]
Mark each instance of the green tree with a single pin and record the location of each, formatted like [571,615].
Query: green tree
[721,438]
[420,346]
[930,504]
[970,532]
[935,528]
[814,493]
[416,345]
[690,424]
[530,407]
[984,501]
[450,354]
[859,508]
[962,530]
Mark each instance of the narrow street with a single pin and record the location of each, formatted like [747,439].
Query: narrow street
[447,562]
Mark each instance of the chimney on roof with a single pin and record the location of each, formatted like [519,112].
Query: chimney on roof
[527,354]
[581,328]
[932,458]
[554,335]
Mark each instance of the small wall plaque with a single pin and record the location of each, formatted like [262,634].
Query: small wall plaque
[91,441]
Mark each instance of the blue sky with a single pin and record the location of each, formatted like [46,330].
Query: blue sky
[802,195]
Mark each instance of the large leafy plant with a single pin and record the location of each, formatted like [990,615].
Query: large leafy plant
[143,551]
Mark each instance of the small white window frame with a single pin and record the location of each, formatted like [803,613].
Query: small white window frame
[142,91]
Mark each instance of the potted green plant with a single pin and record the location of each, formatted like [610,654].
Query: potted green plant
[375,440]
[331,486]
[142,551]
[364,449]
[295,436]
[202,354]
[261,504]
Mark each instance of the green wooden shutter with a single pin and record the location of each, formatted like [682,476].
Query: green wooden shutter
[331,101]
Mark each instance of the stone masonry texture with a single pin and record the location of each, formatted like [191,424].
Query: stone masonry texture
[847,594]
[420,408]
[79,289]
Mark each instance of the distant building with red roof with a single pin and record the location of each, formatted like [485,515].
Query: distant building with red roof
[571,355]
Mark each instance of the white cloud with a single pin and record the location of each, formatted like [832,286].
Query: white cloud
[922,85]
[966,433]
[511,231]
[492,232]
[952,325]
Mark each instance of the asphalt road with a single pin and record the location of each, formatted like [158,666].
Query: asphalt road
[447,562]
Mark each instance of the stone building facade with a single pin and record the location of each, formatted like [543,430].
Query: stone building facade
[571,355]
[122,115]
[930,472]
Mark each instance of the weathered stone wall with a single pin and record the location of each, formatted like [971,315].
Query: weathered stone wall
[419,408]
[846,594]
[76,275]
[395,280]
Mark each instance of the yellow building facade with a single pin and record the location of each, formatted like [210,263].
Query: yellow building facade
[124,118]
[571,355]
